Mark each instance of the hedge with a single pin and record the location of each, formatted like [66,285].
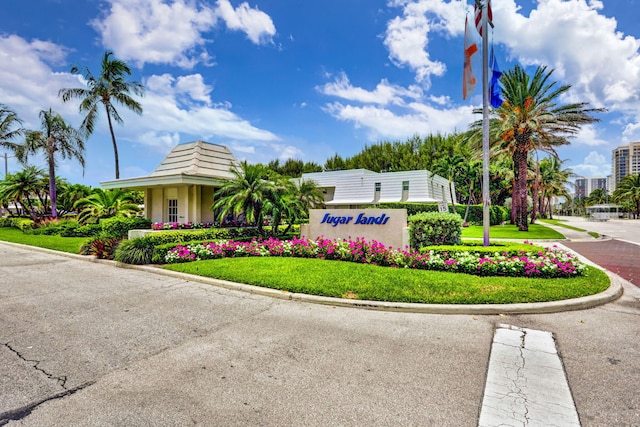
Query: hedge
[497,214]
[434,228]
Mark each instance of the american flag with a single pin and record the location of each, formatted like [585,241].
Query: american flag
[478,15]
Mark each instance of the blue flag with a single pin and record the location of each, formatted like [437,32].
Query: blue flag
[494,86]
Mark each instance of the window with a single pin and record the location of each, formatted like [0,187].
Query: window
[405,185]
[378,187]
[173,210]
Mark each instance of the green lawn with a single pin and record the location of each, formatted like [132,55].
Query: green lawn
[508,231]
[368,282]
[64,244]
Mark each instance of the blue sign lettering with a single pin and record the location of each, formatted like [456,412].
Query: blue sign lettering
[335,220]
[360,220]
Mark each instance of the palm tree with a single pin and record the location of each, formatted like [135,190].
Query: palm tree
[244,193]
[628,190]
[69,194]
[470,174]
[598,196]
[105,204]
[449,167]
[108,88]
[9,128]
[55,138]
[554,181]
[23,188]
[531,119]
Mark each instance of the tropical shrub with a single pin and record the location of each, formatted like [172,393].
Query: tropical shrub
[433,228]
[24,224]
[137,251]
[88,230]
[101,247]
[497,214]
[119,226]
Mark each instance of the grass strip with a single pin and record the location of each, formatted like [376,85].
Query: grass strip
[560,223]
[63,244]
[368,282]
[510,231]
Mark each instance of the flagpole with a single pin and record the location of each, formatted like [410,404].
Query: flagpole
[486,219]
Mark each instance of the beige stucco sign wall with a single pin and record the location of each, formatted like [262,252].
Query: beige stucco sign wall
[387,226]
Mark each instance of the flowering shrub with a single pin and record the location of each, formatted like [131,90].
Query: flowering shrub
[180,225]
[550,263]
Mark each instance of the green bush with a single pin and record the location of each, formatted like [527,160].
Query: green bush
[120,226]
[433,228]
[24,224]
[497,214]
[135,251]
[88,230]
[6,221]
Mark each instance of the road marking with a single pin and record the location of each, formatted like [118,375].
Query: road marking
[526,382]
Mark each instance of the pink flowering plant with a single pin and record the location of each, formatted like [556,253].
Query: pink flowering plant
[548,263]
[180,225]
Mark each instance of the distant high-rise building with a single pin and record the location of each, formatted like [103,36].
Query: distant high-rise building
[584,186]
[626,161]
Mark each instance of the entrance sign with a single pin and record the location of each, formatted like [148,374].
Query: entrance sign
[387,226]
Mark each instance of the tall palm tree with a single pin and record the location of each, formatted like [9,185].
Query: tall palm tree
[9,128]
[530,118]
[105,204]
[244,193]
[56,138]
[449,167]
[628,190]
[107,89]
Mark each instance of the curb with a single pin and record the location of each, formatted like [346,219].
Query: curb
[613,292]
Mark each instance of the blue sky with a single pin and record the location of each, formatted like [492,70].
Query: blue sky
[281,79]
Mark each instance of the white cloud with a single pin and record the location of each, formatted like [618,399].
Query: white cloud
[593,165]
[584,46]
[383,94]
[163,141]
[154,31]
[256,24]
[28,82]
[588,135]
[419,119]
[407,36]
[183,105]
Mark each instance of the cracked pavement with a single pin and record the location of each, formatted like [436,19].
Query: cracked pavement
[85,343]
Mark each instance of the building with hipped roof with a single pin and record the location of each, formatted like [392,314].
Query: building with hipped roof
[181,188]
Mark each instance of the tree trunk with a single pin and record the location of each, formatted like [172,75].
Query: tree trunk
[113,140]
[52,185]
[453,198]
[520,171]
[535,196]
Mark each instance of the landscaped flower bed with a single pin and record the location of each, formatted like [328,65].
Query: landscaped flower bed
[180,225]
[550,263]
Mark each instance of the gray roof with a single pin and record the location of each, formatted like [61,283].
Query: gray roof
[197,158]
[196,162]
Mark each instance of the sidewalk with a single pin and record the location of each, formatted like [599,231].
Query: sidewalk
[620,256]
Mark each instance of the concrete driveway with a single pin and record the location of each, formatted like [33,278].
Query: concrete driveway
[90,344]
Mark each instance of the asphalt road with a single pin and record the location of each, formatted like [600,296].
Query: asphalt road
[90,344]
